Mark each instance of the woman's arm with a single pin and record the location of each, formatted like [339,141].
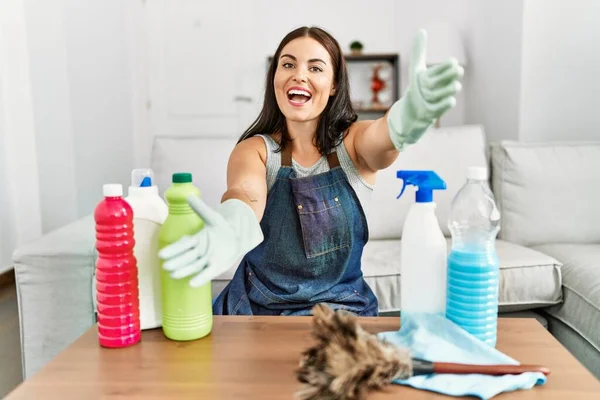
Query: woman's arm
[247,175]
[232,229]
[372,144]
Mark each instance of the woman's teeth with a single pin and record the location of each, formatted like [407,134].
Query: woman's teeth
[298,96]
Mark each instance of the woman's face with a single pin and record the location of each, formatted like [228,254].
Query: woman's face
[303,79]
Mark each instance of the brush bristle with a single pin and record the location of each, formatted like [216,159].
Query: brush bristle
[346,361]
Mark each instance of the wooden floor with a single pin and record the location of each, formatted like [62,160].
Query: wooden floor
[10,344]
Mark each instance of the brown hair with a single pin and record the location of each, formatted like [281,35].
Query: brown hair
[338,114]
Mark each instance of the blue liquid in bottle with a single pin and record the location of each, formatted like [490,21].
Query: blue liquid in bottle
[473,266]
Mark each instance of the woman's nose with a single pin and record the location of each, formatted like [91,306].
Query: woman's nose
[299,77]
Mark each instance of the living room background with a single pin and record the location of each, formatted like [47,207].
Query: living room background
[89,72]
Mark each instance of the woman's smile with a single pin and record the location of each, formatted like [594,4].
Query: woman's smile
[298,96]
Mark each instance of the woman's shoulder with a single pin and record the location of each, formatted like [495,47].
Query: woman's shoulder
[359,126]
[254,145]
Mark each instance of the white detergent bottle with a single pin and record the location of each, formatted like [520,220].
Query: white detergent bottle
[423,249]
[149,213]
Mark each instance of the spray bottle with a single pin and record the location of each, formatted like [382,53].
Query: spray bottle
[423,249]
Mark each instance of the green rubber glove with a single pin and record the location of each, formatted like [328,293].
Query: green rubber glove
[229,233]
[430,93]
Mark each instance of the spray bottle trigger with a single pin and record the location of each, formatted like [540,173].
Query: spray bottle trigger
[403,187]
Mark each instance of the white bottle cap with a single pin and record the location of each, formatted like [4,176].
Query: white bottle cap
[477,173]
[112,190]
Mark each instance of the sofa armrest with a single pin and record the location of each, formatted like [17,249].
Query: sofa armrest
[54,277]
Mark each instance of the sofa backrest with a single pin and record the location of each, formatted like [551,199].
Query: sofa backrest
[447,151]
[547,192]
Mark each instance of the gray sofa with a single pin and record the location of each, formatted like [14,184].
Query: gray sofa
[549,244]
[548,197]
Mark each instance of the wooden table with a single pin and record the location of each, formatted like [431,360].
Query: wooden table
[255,357]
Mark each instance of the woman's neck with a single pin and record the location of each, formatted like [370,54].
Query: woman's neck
[304,150]
[303,134]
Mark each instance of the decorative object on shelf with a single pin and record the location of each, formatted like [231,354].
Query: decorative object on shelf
[375,80]
[377,84]
[356,48]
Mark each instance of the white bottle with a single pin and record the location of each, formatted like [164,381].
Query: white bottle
[423,249]
[149,213]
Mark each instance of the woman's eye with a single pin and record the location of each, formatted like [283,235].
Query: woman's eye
[287,65]
[316,69]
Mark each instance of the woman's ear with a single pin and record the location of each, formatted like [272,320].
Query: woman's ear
[332,91]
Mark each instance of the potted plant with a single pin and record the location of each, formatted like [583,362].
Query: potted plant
[356,48]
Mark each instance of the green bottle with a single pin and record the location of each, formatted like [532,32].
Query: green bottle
[186,311]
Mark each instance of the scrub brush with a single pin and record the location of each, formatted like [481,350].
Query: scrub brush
[347,362]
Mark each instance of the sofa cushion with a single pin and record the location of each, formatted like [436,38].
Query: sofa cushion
[54,275]
[581,288]
[528,278]
[537,185]
[448,152]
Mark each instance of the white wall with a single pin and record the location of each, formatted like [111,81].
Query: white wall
[381,25]
[52,111]
[560,65]
[529,75]
[200,56]
[81,90]
[20,214]
[493,74]
[531,69]
[100,88]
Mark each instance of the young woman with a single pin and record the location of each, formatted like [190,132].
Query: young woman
[299,182]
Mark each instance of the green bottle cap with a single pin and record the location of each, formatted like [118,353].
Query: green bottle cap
[182,177]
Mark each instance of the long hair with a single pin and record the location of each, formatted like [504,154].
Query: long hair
[338,114]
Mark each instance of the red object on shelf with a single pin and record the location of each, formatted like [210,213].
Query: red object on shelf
[377,84]
[117,291]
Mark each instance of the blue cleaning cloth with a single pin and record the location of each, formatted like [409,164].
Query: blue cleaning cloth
[435,338]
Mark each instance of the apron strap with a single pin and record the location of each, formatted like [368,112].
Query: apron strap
[333,160]
[286,156]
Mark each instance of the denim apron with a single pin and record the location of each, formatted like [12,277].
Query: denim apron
[314,233]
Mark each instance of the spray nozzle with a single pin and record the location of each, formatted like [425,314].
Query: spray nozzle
[142,177]
[146,182]
[425,181]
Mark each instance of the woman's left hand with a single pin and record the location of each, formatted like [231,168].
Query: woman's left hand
[228,234]
[430,93]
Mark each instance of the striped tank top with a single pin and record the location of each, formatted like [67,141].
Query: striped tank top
[362,189]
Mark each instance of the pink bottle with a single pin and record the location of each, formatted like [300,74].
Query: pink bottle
[117,292]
